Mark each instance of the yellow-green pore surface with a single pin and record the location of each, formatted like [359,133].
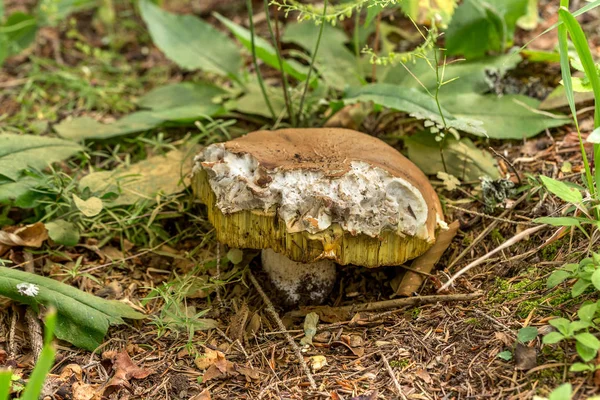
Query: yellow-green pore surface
[331,151]
[256,229]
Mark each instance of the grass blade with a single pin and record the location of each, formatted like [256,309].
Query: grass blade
[5,380]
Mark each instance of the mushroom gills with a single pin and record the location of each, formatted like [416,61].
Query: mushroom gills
[299,283]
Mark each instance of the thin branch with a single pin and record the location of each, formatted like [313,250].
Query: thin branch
[508,243]
[293,345]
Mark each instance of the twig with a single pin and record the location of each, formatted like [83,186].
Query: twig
[395,303]
[392,375]
[509,164]
[293,345]
[503,246]
[487,230]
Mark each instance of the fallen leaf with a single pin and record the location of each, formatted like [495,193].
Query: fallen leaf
[450,181]
[370,396]
[504,338]
[424,375]
[125,370]
[204,395]
[525,357]
[249,373]
[28,236]
[310,328]
[89,207]
[317,362]
[209,357]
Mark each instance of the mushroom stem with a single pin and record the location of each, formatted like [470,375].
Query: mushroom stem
[299,283]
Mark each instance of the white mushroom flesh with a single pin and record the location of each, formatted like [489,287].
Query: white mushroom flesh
[364,200]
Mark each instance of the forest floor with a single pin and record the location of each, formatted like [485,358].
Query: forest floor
[446,350]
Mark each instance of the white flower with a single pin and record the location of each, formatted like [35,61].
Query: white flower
[28,289]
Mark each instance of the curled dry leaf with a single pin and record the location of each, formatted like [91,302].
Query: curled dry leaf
[29,236]
[204,395]
[125,370]
[69,384]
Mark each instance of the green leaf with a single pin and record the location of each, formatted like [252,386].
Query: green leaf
[586,353]
[190,42]
[17,34]
[506,117]
[506,355]
[180,102]
[63,232]
[83,319]
[479,26]
[594,137]
[562,190]
[596,279]
[411,101]
[562,324]
[19,152]
[579,325]
[19,192]
[89,207]
[587,312]
[588,340]
[336,64]
[527,334]
[580,367]
[264,50]
[235,256]
[253,101]
[579,287]
[563,392]
[5,382]
[463,159]
[553,337]
[559,221]
[557,277]
[145,180]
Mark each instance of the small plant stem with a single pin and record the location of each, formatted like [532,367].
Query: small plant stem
[312,63]
[356,41]
[284,81]
[376,47]
[258,74]
[439,106]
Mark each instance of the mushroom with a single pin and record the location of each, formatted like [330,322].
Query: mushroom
[311,198]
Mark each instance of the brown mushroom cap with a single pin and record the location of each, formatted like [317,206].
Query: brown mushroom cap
[331,152]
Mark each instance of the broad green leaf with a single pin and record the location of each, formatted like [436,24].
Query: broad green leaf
[531,18]
[235,256]
[506,117]
[463,159]
[586,313]
[411,101]
[579,287]
[527,334]
[18,192]
[579,325]
[562,190]
[63,232]
[586,353]
[336,64]
[19,152]
[89,207]
[143,181]
[557,277]
[562,324]
[253,101]
[264,50]
[480,26]
[83,319]
[580,367]
[506,355]
[563,392]
[553,337]
[191,42]
[180,102]
[596,279]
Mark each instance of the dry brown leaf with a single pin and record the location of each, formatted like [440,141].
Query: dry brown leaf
[29,236]
[204,395]
[209,358]
[125,370]
[249,373]
[370,396]
[424,375]
[525,357]
[504,338]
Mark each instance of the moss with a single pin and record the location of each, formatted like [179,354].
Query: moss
[549,252]
[473,321]
[507,291]
[497,236]
[399,363]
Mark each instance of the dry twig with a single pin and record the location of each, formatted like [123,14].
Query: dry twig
[293,345]
[392,375]
[503,246]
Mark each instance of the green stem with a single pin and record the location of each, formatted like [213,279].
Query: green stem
[356,41]
[258,74]
[275,39]
[312,62]
[439,106]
